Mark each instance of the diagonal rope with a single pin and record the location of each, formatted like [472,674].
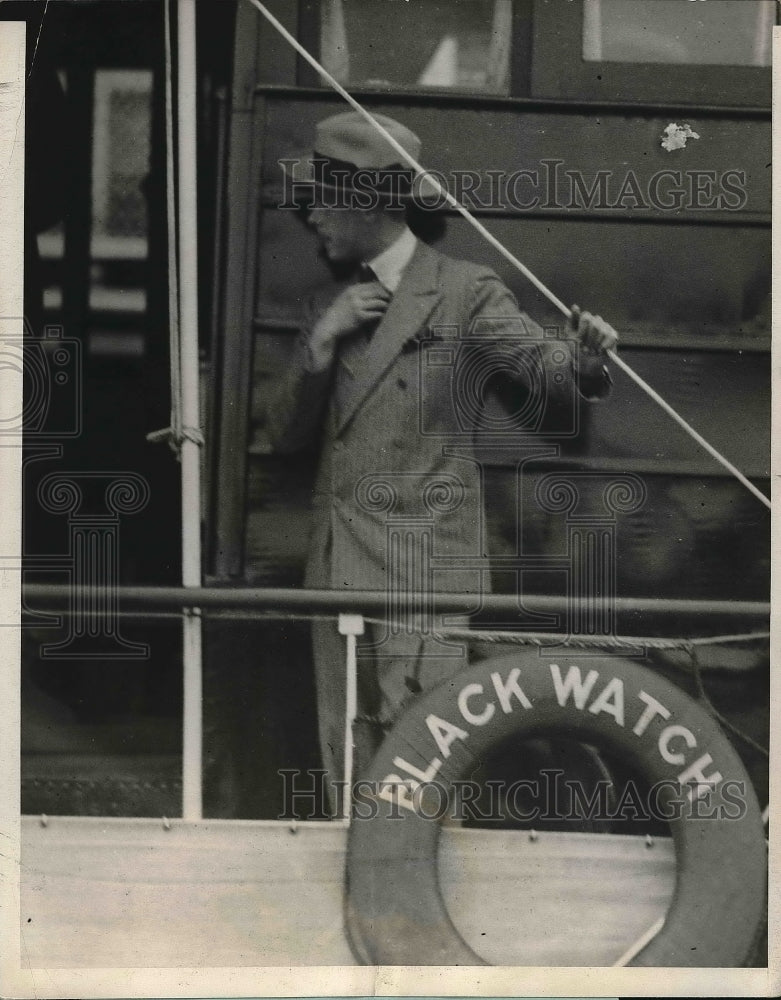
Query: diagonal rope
[500,247]
[37,41]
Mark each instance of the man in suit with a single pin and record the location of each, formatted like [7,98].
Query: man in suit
[398,503]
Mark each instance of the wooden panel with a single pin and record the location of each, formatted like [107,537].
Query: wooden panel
[702,283]
[508,140]
[577,901]
[725,396]
[660,284]
[693,282]
[130,893]
[695,527]
[686,541]
[692,537]
[687,279]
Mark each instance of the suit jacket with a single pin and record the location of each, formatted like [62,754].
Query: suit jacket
[398,494]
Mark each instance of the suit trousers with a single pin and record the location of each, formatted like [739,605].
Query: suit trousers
[392,670]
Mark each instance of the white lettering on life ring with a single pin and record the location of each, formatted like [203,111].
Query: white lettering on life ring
[463,697]
[573,684]
[445,733]
[505,688]
[396,913]
[695,777]
[611,701]
[651,710]
[667,734]
[422,776]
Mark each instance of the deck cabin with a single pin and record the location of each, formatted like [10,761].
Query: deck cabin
[621,148]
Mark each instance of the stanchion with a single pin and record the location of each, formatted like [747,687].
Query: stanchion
[350,626]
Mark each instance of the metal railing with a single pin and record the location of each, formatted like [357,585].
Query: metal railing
[254,600]
[249,602]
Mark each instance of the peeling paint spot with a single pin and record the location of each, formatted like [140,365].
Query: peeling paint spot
[675,136]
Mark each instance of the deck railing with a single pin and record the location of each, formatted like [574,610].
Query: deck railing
[254,602]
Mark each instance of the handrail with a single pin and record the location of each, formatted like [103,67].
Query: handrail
[60,596]
[497,102]
[144,601]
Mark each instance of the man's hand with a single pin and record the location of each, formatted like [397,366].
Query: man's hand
[594,334]
[357,306]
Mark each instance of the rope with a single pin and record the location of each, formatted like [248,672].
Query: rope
[37,41]
[638,945]
[500,247]
[540,639]
[175,438]
[702,694]
[543,639]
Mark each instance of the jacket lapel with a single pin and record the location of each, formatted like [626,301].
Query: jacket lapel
[409,309]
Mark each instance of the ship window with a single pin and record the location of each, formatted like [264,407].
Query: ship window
[120,161]
[712,53]
[716,33]
[426,44]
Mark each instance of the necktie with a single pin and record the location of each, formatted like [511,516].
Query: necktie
[352,349]
[365,273]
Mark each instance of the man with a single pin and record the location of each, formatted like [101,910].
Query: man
[359,382]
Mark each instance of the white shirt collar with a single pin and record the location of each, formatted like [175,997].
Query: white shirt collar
[390,264]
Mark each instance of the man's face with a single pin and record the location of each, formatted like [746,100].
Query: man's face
[344,233]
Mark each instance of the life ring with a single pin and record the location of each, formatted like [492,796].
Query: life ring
[394,910]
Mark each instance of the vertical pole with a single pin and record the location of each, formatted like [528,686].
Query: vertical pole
[190,450]
[12,80]
[350,626]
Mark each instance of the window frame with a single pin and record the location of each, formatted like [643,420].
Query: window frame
[559,70]
[520,57]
